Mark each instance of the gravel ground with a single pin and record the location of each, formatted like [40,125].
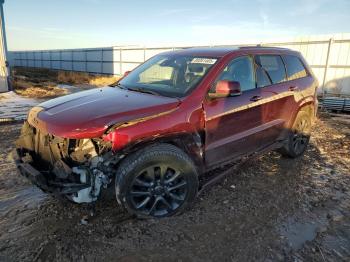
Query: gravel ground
[272,209]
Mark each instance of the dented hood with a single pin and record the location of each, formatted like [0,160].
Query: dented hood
[89,113]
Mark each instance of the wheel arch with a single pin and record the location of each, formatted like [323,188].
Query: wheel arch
[308,107]
[190,143]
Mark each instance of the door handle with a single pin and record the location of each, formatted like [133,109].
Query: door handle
[256,98]
[293,88]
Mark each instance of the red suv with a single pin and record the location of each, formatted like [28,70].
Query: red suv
[170,120]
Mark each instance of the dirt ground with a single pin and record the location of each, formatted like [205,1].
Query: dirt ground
[272,209]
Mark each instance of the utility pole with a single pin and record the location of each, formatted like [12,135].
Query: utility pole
[4,65]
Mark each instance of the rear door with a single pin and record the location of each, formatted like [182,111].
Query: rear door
[277,101]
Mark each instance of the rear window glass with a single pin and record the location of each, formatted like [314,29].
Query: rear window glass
[273,67]
[261,78]
[295,68]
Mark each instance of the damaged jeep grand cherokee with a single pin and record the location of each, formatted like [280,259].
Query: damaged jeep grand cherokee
[162,126]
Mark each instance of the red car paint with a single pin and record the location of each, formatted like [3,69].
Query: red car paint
[88,114]
[232,126]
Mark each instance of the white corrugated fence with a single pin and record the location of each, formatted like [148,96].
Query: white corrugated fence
[328,56]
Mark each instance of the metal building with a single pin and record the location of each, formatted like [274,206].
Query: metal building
[4,70]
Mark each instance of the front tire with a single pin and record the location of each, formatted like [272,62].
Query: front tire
[157,181]
[298,136]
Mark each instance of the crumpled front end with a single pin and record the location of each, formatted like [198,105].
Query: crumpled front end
[77,168]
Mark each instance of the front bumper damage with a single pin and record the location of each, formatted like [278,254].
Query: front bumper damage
[77,169]
[39,179]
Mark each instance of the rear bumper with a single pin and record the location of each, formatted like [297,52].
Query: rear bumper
[40,180]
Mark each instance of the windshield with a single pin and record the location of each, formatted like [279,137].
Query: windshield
[168,75]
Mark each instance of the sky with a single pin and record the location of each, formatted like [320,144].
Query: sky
[52,24]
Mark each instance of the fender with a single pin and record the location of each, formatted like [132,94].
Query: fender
[182,127]
[191,143]
[307,105]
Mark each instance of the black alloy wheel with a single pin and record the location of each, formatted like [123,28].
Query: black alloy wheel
[298,137]
[301,136]
[158,190]
[157,181]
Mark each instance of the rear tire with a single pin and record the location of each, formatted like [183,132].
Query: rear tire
[298,136]
[157,181]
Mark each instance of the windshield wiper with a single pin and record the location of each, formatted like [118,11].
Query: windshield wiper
[140,90]
[118,85]
[146,91]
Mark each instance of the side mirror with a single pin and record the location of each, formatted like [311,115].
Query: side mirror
[126,73]
[225,88]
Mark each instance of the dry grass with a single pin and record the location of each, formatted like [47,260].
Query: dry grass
[103,80]
[72,77]
[42,92]
[37,90]
[85,78]
[42,83]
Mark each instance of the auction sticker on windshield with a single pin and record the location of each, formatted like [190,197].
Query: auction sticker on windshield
[208,61]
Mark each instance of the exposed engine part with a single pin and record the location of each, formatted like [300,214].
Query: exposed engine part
[67,164]
[84,149]
[61,169]
[97,180]
[95,161]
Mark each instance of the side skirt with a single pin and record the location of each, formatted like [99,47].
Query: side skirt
[208,182]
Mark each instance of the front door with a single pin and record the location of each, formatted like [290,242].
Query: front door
[232,123]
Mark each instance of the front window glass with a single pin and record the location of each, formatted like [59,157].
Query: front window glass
[169,75]
[240,70]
